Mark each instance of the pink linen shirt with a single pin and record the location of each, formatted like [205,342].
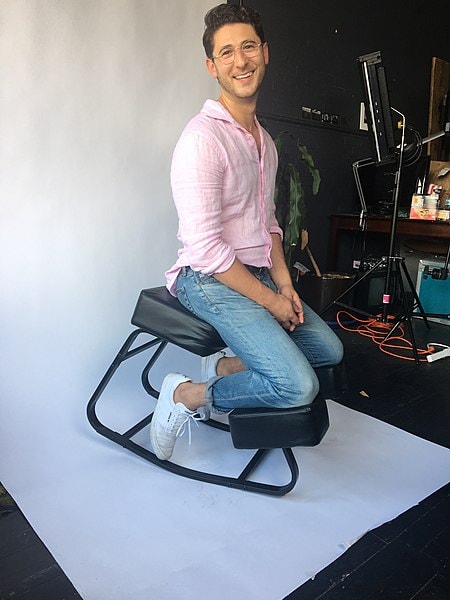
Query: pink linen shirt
[223,192]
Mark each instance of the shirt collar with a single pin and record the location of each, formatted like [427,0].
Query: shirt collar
[216,110]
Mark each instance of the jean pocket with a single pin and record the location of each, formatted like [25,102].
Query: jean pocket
[183,297]
[203,278]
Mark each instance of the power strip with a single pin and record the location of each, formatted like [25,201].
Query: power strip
[445,352]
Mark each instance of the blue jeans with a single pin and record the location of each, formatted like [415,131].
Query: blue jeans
[279,363]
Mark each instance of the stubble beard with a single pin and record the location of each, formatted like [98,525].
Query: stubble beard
[227,84]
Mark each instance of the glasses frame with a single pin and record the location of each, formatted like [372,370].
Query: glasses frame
[258,46]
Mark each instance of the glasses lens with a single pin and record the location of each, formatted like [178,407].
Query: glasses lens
[250,49]
[226,56]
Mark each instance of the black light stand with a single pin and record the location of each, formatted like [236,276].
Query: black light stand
[393,259]
[395,265]
[385,150]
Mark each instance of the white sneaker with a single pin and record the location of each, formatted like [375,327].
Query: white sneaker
[169,419]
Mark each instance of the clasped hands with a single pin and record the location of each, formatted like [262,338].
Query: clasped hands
[287,308]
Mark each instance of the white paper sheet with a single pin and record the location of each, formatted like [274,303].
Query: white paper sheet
[123,528]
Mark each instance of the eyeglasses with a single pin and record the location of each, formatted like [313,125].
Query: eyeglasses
[227,55]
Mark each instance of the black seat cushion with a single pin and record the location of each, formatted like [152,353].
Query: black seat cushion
[333,380]
[279,428]
[162,315]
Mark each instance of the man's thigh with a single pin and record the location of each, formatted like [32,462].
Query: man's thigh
[247,328]
[316,340]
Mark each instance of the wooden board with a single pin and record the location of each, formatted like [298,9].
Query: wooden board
[440,84]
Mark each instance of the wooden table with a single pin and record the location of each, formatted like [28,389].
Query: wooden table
[382,224]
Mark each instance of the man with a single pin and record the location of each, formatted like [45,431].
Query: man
[231,270]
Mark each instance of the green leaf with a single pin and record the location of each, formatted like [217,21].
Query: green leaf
[296,211]
[289,195]
[308,159]
[278,145]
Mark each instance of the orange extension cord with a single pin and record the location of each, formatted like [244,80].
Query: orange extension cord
[377,332]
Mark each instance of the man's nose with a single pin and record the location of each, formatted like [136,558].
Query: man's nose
[240,57]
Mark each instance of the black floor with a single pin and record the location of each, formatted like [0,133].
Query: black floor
[409,557]
[406,559]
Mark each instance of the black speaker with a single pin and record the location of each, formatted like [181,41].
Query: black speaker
[369,291]
[319,292]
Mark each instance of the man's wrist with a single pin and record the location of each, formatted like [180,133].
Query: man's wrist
[281,282]
[267,297]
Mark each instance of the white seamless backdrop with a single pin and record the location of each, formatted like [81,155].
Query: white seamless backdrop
[93,96]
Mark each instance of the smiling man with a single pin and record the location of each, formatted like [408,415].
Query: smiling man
[231,270]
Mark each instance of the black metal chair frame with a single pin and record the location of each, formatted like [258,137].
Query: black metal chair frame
[157,345]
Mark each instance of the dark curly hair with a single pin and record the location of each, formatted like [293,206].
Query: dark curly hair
[225,14]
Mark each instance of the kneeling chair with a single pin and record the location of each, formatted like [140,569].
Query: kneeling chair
[160,315]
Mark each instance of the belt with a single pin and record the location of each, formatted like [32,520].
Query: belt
[256,270]
[251,268]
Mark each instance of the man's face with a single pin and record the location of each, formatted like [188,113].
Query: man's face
[243,77]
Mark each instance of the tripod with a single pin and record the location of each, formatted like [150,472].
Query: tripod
[394,264]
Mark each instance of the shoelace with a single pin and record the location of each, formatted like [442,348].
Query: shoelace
[182,427]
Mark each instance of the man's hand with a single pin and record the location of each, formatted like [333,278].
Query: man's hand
[282,279]
[285,305]
[289,292]
[287,308]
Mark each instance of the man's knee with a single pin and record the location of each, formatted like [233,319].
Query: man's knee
[334,352]
[339,352]
[299,391]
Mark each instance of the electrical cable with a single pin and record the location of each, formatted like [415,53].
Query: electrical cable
[414,147]
[377,332]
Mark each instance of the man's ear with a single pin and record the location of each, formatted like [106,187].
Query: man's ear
[266,53]
[210,65]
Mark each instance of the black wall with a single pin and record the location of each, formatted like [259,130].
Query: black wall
[313,50]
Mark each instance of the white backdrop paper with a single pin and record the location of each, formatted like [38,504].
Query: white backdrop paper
[123,528]
[93,96]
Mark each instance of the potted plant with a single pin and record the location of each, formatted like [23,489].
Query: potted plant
[317,289]
[290,195]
